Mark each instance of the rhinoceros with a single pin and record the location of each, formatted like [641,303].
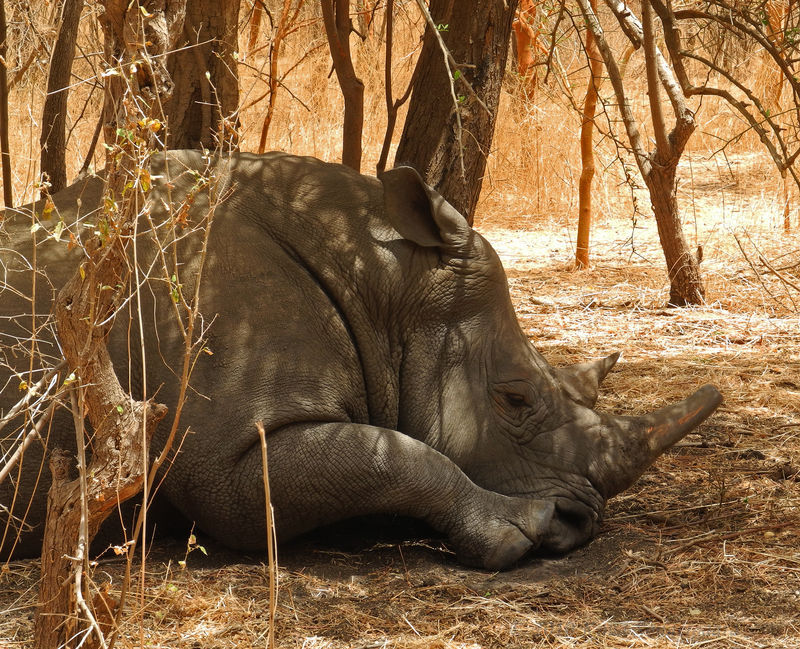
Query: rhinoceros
[371,330]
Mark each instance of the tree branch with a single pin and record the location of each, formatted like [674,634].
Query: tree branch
[336,16]
[663,146]
[634,136]
[782,159]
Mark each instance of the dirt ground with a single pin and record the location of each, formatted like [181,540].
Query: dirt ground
[702,552]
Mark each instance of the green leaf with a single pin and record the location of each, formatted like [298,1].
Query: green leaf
[457,75]
[120,409]
[125,134]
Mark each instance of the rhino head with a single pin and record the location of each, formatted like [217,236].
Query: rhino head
[512,422]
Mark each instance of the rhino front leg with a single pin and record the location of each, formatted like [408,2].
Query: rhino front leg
[325,472]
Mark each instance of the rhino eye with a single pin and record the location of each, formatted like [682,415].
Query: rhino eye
[515,400]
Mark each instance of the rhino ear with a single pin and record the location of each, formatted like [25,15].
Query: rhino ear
[419,213]
[582,381]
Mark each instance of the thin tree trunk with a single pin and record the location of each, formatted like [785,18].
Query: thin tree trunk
[54,114]
[659,166]
[336,15]
[5,148]
[274,54]
[526,40]
[199,107]
[587,150]
[392,106]
[787,222]
[84,311]
[686,285]
[477,35]
[255,26]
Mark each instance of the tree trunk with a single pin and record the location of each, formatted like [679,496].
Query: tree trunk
[477,35]
[336,14]
[5,150]
[526,40]
[686,285]
[54,114]
[587,150]
[197,112]
[84,311]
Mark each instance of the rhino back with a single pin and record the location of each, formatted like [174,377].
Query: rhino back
[291,287]
[289,328]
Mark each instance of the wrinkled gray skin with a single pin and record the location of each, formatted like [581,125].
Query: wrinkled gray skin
[371,330]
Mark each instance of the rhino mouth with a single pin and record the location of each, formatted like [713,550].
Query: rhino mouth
[573,525]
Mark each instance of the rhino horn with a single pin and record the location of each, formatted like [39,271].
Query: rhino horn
[582,381]
[642,439]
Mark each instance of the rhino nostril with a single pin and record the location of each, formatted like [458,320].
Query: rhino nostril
[573,525]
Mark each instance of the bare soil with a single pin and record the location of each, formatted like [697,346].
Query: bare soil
[702,552]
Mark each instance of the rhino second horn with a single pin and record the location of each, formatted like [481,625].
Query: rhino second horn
[642,439]
[582,381]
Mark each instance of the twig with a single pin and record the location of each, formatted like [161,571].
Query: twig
[92,146]
[189,358]
[755,271]
[649,610]
[451,66]
[272,552]
[33,434]
[553,43]
[284,22]
[22,403]
[716,536]
[780,276]
[82,558]
[5,149]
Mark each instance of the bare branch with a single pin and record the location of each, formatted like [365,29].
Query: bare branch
[336,17]
[635,29]
[31,436]
[663,146]
[729,22]
[629,121]
[777,149]
[392,106]
[32,392]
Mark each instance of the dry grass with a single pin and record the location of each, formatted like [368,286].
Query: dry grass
[701,552]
